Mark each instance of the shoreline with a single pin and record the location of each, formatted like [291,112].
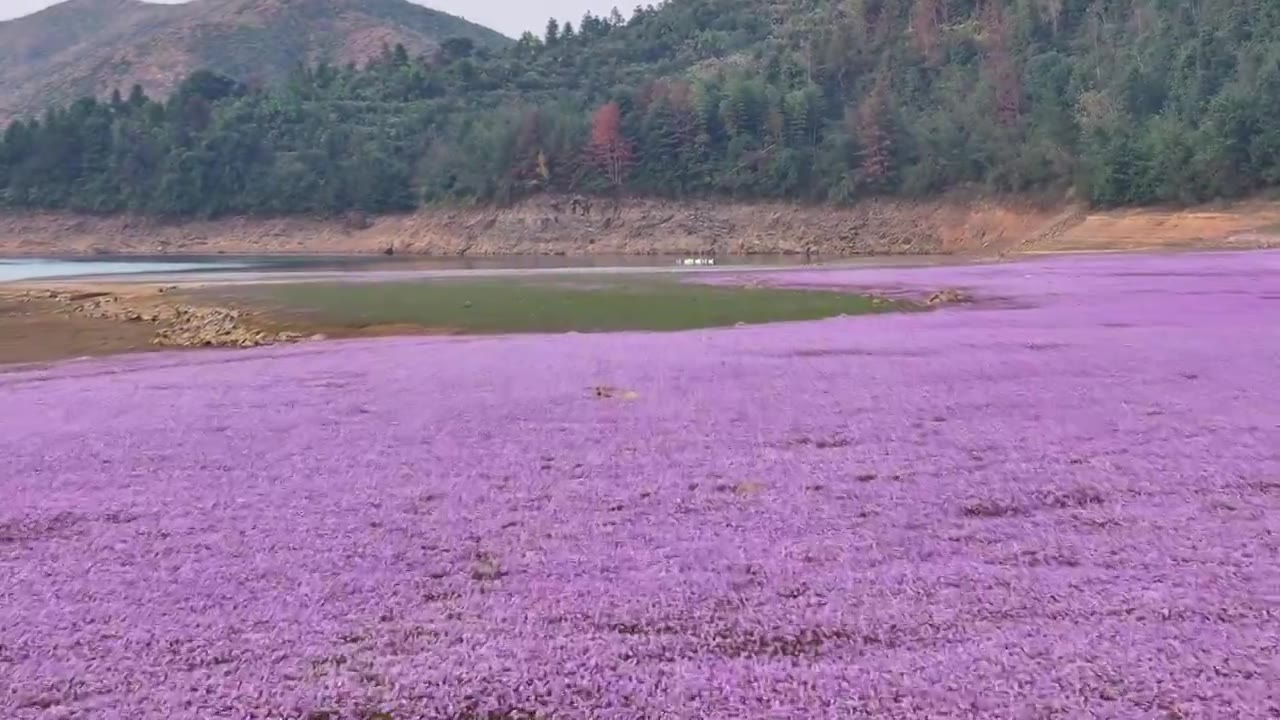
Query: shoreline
[426,270]
[231,278]
[546,227]
[48,320]
[540,228]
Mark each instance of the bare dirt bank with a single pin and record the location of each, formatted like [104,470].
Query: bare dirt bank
[40,326]
[559,225]
[578,226]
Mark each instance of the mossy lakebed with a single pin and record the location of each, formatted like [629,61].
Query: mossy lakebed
[85,319]
[549,304]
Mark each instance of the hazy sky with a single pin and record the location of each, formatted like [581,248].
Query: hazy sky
[511,17]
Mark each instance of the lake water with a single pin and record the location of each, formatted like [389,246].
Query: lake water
[257,267]
[14,269]
[36,268]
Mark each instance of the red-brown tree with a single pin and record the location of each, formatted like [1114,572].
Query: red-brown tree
[609,148]
[927,20]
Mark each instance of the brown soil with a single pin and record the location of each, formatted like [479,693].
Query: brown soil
[41,326]
[591,226]
[36,332]
[1245,225]
[558,226]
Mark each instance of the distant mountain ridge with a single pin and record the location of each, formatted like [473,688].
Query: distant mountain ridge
[91,47]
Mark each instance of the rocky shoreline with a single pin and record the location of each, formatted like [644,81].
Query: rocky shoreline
[571,226]
[558,226]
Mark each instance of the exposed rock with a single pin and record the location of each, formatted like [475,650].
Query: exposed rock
[582,225]
[214,327]
[947,297]
[358,220]
[177,325]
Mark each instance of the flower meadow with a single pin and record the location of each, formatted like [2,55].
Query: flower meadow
[1059,501]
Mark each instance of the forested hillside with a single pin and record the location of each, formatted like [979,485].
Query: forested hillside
[90,47]
[1124,101]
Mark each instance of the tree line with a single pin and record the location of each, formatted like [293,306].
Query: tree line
[1118,101]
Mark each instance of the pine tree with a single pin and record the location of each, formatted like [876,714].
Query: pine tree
[874,132]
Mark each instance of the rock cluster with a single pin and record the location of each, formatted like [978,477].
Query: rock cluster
[177,325]
[192,326]
[947,297]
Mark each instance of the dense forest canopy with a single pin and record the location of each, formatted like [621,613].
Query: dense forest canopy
[1123,101]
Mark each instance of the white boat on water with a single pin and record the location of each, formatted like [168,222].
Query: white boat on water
[697,261]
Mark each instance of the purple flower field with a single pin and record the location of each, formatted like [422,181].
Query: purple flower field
[1062,501]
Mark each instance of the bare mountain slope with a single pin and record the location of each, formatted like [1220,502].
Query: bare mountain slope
[95,46]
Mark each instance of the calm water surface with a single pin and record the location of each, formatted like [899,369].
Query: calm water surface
[249,267]
[37,268]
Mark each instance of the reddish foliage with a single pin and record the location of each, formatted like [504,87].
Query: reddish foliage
[609,148]
[927,20]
